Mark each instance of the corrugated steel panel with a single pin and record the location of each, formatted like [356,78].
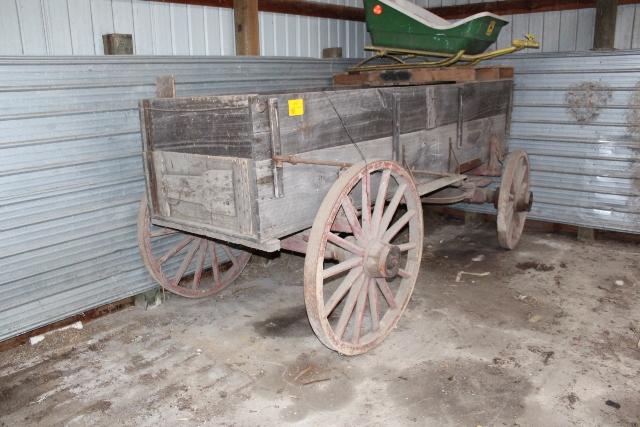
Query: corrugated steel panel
[584,173]
[71,174]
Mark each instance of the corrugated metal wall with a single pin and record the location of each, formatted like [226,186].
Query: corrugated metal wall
[578,117]
[75,27]
[71,173]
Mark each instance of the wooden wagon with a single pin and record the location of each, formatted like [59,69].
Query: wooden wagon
[337,174]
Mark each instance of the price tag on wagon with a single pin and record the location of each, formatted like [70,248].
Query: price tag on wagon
[296,107]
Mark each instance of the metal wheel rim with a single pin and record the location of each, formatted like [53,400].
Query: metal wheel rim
[196,252]
[357,290]
[513,187]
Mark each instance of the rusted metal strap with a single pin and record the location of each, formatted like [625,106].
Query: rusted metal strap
[279,160]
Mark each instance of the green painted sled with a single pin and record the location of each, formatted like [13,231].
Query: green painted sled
[401,25]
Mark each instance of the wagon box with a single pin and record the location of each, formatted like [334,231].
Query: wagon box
[209,159]
[337,174]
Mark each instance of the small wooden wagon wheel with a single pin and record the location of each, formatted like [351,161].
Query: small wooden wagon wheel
[186,264]
[514,199]
[354,303]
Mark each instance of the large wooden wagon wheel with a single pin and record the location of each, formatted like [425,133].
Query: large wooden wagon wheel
[186,264]
[356,301]
[514,199]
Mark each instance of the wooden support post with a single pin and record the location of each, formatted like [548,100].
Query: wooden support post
[605,31]
[245,14]
[166,86]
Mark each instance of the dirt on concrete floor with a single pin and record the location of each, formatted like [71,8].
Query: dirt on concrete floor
[548,338]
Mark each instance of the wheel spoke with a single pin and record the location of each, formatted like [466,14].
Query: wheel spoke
[163,232]
[186,262]
[366,202]
[174,250]
[340,267]
[360,305]
[398,225]
[391,209]
[349,304]
[197,275]
[381,199]
[341,291]
[215,265]
[406,246]
[387,293]
[374,305]
[404,273]
[231,257]
[345,244]
[352,216]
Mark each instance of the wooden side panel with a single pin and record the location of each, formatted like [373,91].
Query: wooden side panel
[214,192]
[479,100]
[306,185]
[334,118]
[338,117]
[216,125]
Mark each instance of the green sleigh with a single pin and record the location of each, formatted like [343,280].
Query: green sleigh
[400,30]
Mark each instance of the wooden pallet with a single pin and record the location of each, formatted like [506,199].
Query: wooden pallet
[417,76]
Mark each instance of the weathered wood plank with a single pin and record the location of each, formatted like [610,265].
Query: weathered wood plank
[211,191]
[218,126]
[306,185]
[415,76]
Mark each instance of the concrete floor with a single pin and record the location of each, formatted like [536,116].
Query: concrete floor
[546,339]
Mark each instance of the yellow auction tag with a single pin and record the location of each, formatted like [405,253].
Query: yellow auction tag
[296,107]
[490,28]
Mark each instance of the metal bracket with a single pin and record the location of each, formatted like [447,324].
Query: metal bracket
[395,142]
[276,148]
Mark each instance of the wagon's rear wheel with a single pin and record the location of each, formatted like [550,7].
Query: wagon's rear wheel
[514,199]
[186,264]
[354,302]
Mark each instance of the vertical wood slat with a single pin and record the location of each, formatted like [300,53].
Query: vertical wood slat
[161,24]
[568,30]
[179,29]
[624,26]
[142,28]
[122,16]
[10,40]
[31,20]
[197,30]
[82,40]
[586,23]
[212,24]
[551,27]
[102,18]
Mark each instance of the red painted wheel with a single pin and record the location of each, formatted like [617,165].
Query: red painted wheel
[186,264]
[357,300]
[514,199]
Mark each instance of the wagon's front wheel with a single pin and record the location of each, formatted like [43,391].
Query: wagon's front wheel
[186,264]
[363,256]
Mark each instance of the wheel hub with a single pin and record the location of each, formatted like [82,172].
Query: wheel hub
[382,260]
